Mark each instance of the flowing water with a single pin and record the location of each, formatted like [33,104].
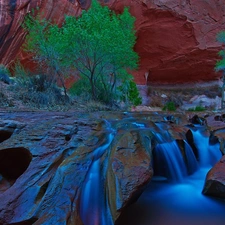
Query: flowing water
[93,203]
[174,197]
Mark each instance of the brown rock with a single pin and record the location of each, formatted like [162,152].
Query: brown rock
[176,40]
[215,180]
[130,169]
[216,125]
[46,159]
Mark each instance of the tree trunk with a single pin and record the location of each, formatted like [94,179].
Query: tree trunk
[223,87]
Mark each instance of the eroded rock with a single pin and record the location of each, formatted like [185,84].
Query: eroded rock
[49,173]
[70,163]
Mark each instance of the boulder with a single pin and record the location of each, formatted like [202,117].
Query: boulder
[130,169]
[215,180]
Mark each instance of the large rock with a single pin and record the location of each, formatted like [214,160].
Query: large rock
[70,165]
[176,40]
[215,180]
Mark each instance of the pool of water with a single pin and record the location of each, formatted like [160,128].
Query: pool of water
[164,203]
[172,201]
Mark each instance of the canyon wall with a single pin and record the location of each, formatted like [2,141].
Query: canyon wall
[176,39]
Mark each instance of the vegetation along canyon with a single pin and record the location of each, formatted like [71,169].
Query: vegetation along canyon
[112,112]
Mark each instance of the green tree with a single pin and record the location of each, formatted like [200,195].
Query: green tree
[98,44]
[220,65]
[43,43]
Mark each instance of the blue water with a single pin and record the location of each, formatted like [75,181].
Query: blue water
[93,204]
[176,198]
[170,161]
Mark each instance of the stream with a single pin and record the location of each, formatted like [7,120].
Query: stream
[173,197]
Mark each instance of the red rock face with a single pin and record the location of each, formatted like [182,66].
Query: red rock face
[12,13]
[176,39]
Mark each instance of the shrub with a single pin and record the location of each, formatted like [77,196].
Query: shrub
[133,94]
[156,101]
[197,109]
[4,74]
[169,106]
[36,90]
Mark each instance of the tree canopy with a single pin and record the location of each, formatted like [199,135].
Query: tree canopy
[220,65]
[99,45]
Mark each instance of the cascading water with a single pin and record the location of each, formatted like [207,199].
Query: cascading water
[181,203]
[191,161]
[92,201]
[208,154]
[169,161]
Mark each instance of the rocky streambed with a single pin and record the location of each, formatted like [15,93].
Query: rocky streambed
[86,168]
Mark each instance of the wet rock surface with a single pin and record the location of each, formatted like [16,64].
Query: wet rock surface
[44,166]
[215,180]
[56,167]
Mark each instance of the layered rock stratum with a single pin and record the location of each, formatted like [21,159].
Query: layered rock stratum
[176,39]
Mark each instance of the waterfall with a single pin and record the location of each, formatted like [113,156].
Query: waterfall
[208,154]
[92,202]
[191,161]
[169,161]
[178,200]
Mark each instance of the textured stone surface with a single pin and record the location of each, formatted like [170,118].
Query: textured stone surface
[176,39]
[58,167]
[215,180]
[48,167]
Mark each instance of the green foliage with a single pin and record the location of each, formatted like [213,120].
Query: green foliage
[81,88]
[98,44]
[220,65]
[169,106]
[133,94]
[44,44]
[198,108]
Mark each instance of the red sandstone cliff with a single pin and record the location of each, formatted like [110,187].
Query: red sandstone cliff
[176,39]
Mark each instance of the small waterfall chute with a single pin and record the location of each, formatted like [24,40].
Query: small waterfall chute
[208,154]
[190,159]
[92,201]
[168,161]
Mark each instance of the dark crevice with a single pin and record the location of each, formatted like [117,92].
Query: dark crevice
[42,192]
[14,162]
[190,140]
[25,222]
[4,135]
